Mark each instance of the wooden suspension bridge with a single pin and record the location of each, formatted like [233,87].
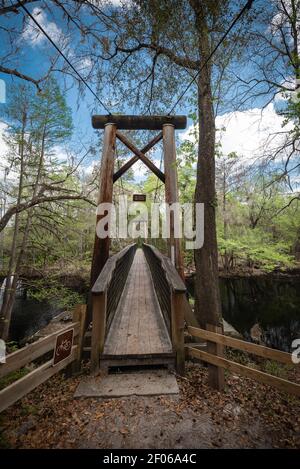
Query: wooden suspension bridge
[138,305]
[138,295]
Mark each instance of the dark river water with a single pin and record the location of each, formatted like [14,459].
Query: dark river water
[29,316]
[272,302]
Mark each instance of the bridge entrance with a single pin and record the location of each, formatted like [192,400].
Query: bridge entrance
[138,295]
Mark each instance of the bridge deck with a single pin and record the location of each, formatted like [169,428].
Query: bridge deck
[138,327]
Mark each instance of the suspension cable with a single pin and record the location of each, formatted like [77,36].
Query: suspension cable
[64,56]
[246,7]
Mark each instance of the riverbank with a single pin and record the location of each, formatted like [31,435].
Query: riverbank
[76,276]
[266,302]
[269,302]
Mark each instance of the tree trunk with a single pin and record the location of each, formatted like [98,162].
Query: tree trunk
[6,309]
[208,303]
[16,260]
[226,256]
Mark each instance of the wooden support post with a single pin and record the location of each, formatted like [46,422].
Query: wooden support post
[101,246]
[79,315]
[215,373]
[177,329]
[98,330]
[171,193]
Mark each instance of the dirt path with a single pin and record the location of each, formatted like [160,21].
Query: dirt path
[247,415]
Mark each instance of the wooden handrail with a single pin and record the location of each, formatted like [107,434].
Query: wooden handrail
[172,276]
[23,386]
[171,294]
[265,378]
[102,283]
[218,361]
[38,349]
[29,353]
[260,350]
[107,292]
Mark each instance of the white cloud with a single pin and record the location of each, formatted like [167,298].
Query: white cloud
[32,33]
[139,171]
[251,134]
[290,91]
[83,64]
[89,169]
[2,91]
[86,63]
[60,154]
[3,146]
[7,175]
[113,3]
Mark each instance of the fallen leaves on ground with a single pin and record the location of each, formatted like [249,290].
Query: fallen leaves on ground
[247,414]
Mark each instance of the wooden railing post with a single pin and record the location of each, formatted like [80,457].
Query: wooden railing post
[177,329]
[215,373]
[79,315]
[98,329]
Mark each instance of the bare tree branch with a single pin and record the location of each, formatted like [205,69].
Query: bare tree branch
[14,72]
[14,8]
[37,201]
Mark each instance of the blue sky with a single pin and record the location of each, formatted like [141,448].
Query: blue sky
[33,59]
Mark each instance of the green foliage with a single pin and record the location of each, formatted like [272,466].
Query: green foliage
[188,258]
[275,368]
[12,377]
[256,251]
[55,292]
[29,409]
[238,356]
[12,346]
[3,439]
[252,228]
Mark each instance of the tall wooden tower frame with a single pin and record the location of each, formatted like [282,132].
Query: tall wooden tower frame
[112,125]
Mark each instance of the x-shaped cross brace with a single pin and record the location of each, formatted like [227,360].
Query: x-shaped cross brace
[139,155]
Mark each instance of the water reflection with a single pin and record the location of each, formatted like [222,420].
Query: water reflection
[272,302]
[29,316]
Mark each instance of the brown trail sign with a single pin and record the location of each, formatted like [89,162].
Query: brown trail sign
[139,197]
[63,346]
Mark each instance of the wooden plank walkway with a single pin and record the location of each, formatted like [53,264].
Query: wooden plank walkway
[138,327]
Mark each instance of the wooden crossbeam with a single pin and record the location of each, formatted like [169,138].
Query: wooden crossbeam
[140,155]
[135,158]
